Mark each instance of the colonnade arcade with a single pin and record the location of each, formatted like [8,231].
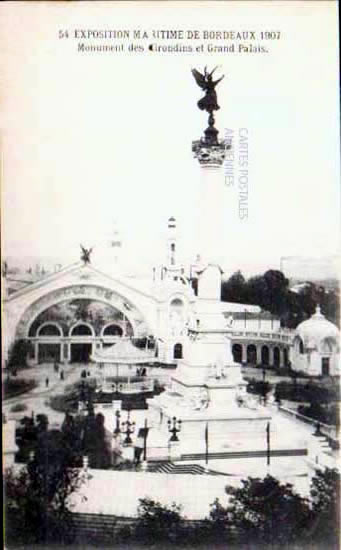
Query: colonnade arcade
[69,324]
[261,353]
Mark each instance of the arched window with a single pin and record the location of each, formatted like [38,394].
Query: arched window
[237,353]
[81,329]
[251,353]
[328,345]
[177,351]
[265,355]
[299,345]
[276,357]
[50,330]
[177,303]
[112,330]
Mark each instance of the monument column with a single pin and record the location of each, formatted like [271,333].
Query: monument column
[210,152]
[244,354]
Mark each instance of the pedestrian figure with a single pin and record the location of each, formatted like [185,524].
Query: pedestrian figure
[138,448]
[62,375]
[116,449]
[47,382]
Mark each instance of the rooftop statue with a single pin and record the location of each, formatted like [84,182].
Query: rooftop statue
[209,102]
[85,256]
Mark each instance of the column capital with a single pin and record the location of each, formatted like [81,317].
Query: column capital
[210,154]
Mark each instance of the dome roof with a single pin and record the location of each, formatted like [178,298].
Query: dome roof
[317,328]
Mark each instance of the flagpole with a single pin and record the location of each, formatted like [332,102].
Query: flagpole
[268,444]
[206,445]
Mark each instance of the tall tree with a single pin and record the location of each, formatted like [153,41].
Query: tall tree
[325,494]
[37,507]
[233,290]
[264,511]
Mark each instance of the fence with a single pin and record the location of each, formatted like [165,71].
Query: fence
[130,387]
[330,432]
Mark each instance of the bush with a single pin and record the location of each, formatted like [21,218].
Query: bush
[258,387]
[18,354]
[311,392]
[321,413]
[37,497]
[13,387]
[156,522]
[325,496]
[262,512]
[19,407]
[64,402]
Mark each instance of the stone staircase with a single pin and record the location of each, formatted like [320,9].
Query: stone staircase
[172,468]
[324,444]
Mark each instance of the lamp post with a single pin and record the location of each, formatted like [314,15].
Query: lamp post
[129,428]
[117,430]
[174,427]
[145,435]
[268,444]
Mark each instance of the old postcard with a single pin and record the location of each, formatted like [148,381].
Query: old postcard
[170,253]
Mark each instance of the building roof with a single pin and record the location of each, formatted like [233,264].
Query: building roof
[124,353]
[317,328]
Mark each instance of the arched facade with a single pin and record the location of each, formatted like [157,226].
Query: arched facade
[47,323]
[261,352]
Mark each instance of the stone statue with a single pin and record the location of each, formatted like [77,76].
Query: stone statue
[209,102]
[200,399]
[86,252]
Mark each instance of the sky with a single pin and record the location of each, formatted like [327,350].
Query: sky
[90,139]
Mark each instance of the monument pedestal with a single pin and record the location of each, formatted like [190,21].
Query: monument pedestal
[208,392]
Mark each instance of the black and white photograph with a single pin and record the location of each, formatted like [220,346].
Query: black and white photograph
[170,214]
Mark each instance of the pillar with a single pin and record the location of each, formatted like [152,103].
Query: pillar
[281,357]
[244,353]
[210,214]
[36,352]
[259,354]
[67,357]
[210,153]
[271,356]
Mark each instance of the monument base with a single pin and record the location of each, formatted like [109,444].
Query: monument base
[234,427]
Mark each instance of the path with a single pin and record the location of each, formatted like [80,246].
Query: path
[35,399]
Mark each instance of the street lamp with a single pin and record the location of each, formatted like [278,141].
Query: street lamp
[145,435]
[129,428]
[174,427]
[117,430]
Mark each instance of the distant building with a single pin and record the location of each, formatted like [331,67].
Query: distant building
[315,348]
